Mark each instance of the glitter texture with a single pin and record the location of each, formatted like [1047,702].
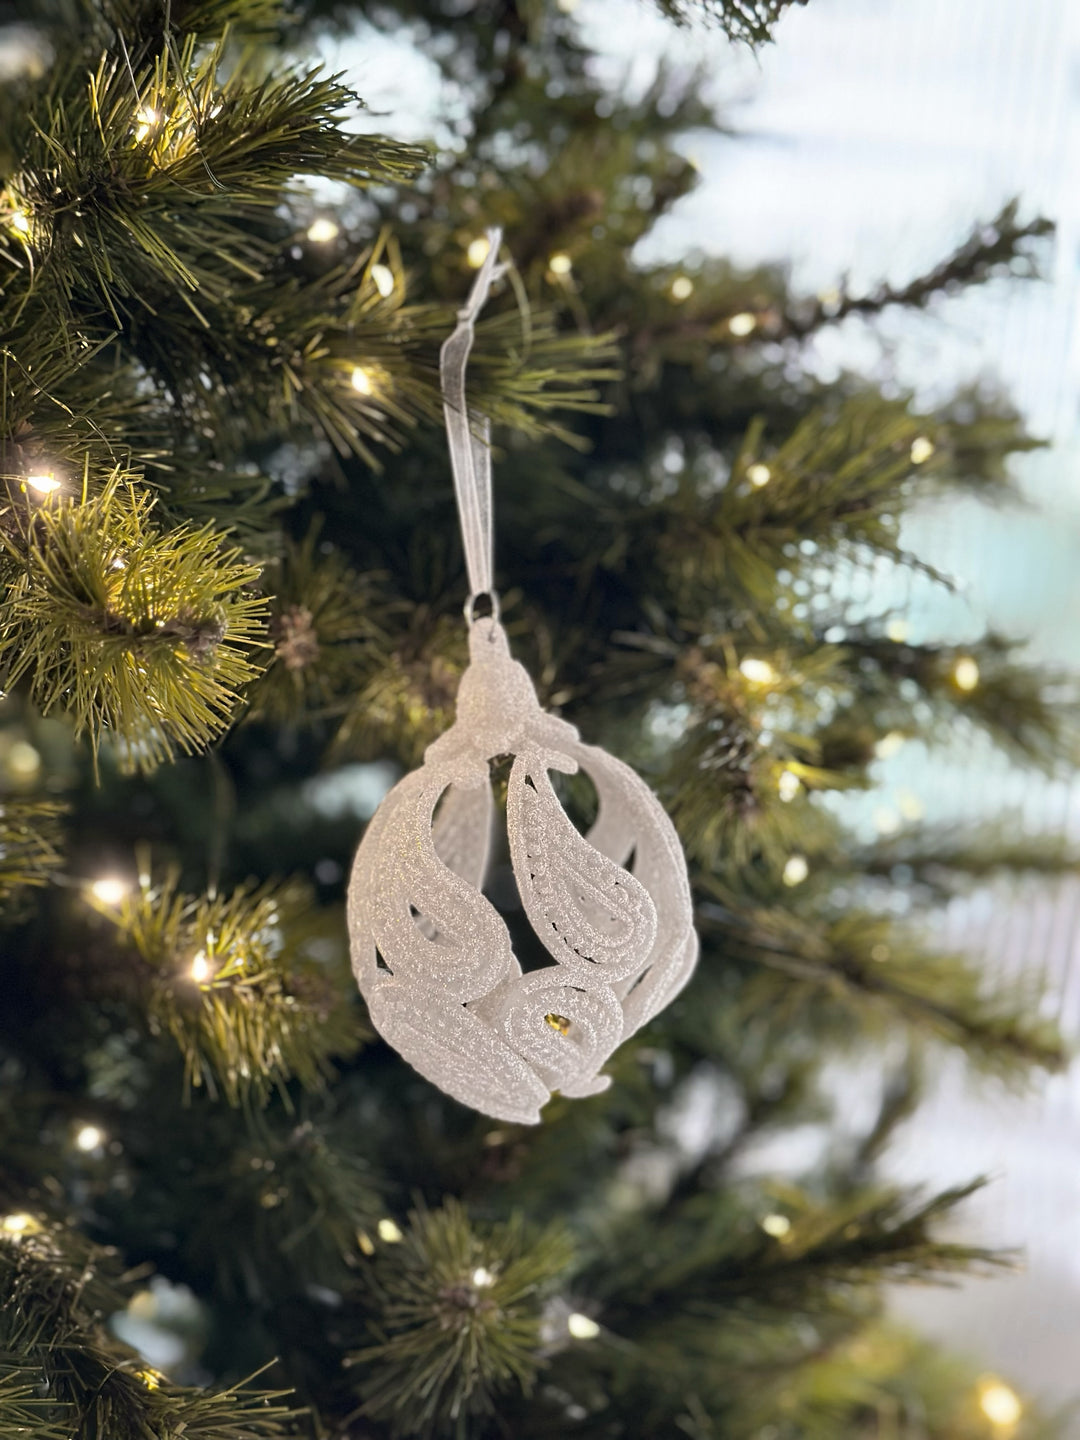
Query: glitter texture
[432,956]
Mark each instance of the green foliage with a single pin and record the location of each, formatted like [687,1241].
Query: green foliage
[139,633]
[750,21]
[458,1318]
[65,1378]
[239,983]
[30,846]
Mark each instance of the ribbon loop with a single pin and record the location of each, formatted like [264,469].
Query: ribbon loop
[469,434]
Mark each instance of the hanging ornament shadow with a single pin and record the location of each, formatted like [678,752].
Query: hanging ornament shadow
[432,956]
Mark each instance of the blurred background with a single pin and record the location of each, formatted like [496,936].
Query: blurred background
[865,143]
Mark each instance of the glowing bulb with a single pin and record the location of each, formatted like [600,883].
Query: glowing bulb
[921,449]
[743,323]
[20,221]
[322,230]
[682,287]
[796,870]
[966,673]
[482,1278]
[110,889]
[383,277]
[43,484]
[390,1232]
[20,1224]
[23,761]
[364,1240]
[201,969]
[776,1225]
[560,264]
[361,381]
[897,632]
[886,820]
[88,1138]
[147,118]
[759,672]
[759,475]
[889,744]
[1000,1404]
[581,1327]
[477,252]
[788,785]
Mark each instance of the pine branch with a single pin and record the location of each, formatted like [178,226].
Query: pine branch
[750,22]
[30,848]
[137,633]
[239,983]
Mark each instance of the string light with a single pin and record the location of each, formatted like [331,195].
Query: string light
[20,221]
[323,230]
[23,761]
[560,264]
[743,323]
[364,1240]
[889,744]
[477,252]
[966,673]
[88,1138]
[390,1232]
[383,277]
[682,287]
[759,475]
[201,969]
[147,118]
[999,1403]
[776,1225]
[796,870]
[110,889]
[44,484]
[582,1327]
[759,672]
[482,1278]
[897,631]
[361,381]
[20,1224]
[788,785]
[921,449]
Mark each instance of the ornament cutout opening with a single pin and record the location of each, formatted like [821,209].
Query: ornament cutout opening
[432,956]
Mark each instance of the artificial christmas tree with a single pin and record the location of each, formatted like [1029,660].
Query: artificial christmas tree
[231,617]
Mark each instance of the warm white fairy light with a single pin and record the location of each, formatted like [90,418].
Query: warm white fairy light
[921,449]
[758,672]
[560,264]
[477,252]
[44,483]
[147,118]
[23,761]
[758,475]
[20,221]
[776,1225]
[897,631]
[889,744]
[361,381]
[383,277]
[390,1232]
[482,1277]
[582,1327]
[88,1137]
[999,1402]
[788,785]
[322,230]
[966,673]
[743,323]
[110,889]
[796,870]
[201,969]
[682,287]
[19,1224]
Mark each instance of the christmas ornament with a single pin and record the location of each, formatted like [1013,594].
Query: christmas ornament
[432,956]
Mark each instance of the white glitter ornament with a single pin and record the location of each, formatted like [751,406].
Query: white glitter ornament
[431,955]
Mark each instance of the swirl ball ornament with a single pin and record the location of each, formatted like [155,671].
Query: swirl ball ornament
[432,956]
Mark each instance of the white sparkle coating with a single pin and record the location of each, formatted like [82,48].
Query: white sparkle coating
[433,958]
